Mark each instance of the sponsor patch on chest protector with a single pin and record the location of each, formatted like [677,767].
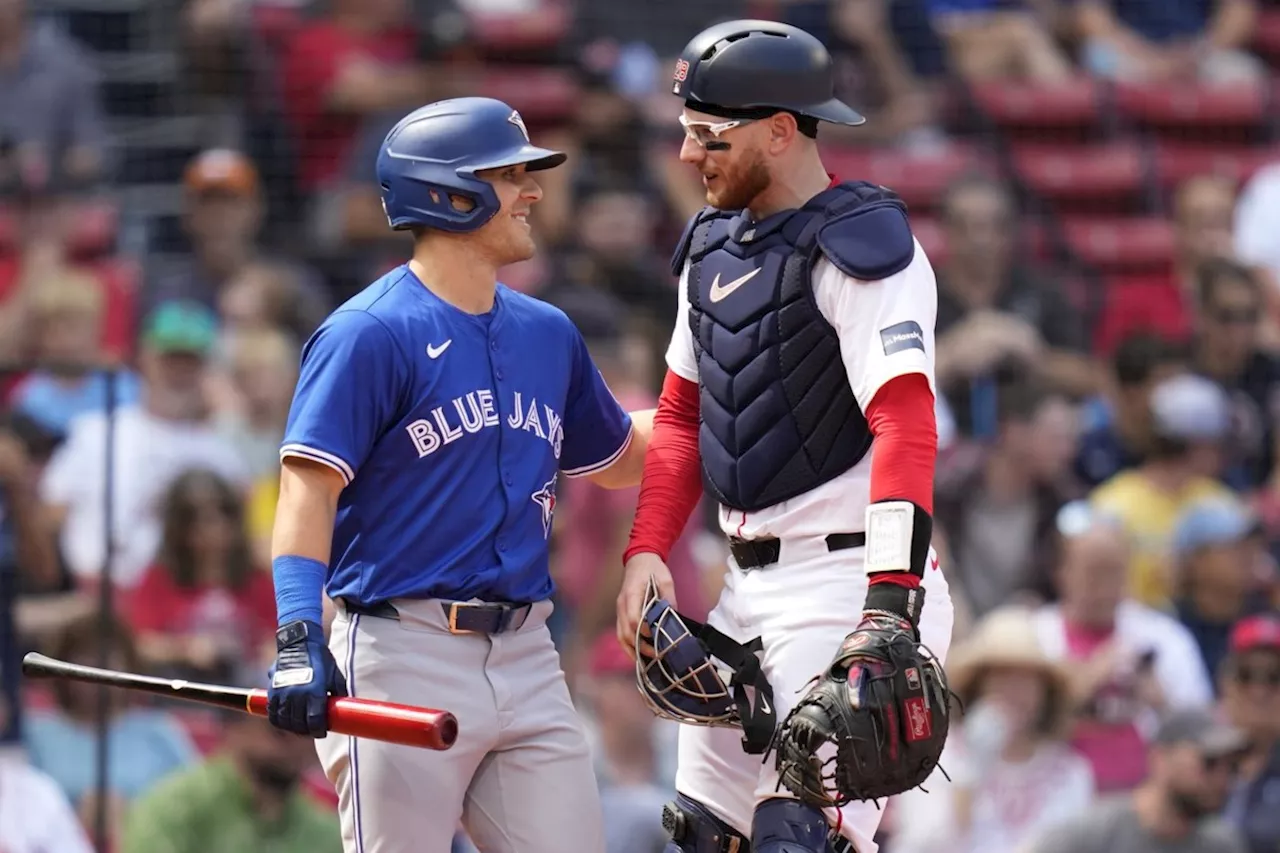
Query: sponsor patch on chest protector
[902,336]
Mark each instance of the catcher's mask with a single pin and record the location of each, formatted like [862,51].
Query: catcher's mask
[681,682]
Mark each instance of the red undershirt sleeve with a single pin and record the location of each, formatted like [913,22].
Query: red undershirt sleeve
[901,417]
[671,485]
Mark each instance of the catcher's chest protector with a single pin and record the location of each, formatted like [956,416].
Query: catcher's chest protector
[778,416]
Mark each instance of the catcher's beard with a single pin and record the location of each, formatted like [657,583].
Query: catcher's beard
[748,180]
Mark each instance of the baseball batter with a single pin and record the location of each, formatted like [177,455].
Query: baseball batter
[801,391]
[434,414]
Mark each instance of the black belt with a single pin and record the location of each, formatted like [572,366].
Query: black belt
[464,617]
[758,553]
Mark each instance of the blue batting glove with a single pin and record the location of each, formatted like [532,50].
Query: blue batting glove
[303,678]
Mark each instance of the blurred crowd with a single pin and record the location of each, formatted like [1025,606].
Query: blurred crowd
[187,189]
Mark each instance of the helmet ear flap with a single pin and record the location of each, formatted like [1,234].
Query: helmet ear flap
[419,201]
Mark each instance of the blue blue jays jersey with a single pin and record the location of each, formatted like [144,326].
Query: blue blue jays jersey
[450,430]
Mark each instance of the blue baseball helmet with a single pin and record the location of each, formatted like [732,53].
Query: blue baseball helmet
[435,152]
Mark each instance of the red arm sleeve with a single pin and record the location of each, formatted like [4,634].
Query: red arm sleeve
[901,417]
[672,481]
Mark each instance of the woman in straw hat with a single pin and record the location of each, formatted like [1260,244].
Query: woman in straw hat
[1010,767]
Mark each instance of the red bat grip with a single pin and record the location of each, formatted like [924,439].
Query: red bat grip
[406,725]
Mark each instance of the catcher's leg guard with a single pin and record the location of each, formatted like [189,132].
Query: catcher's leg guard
[694,829]
[784,825]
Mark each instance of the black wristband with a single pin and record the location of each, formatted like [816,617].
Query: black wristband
[898,600]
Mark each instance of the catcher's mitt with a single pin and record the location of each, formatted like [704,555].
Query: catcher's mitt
[874,723]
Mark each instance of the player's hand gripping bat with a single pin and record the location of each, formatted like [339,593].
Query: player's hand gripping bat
[366,718]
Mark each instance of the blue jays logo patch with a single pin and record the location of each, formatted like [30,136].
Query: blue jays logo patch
[546,498]
[515,119]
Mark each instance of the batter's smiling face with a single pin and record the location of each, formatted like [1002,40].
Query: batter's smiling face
[730,156]
[507,237]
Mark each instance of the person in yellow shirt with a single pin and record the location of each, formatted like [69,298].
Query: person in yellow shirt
[1191,418]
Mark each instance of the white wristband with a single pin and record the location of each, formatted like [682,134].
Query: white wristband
[889,528]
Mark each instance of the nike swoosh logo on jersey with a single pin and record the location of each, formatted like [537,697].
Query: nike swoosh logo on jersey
[434,352]
[718,292]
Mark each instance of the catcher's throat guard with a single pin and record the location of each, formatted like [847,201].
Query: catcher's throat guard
[681,681]
[874,723]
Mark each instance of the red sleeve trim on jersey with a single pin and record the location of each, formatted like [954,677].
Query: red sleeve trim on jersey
[672,481]
[902,419]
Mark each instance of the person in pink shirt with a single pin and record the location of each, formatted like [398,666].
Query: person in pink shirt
[1129,664]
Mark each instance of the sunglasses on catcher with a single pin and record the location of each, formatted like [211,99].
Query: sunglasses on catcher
[707,133]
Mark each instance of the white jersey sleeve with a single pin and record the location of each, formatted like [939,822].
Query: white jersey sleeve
[885,327]
[681,358]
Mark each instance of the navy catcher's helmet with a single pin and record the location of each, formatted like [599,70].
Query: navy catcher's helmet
[738,68]
[682,681]
[435,151]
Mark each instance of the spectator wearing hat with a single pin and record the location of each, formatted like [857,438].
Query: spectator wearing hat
[222,220]
[1011,771]
[167,432]
[1191,420]
[1193,760]
[1249,683]
[1128,662]
[1215,556]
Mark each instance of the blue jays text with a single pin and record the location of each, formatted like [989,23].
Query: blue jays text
[450,430]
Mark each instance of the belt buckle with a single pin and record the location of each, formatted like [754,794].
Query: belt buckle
[454,607]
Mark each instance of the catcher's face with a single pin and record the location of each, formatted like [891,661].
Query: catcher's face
[729,155]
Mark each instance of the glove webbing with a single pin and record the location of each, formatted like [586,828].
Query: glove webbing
[759,718]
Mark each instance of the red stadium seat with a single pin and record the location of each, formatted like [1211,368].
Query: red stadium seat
[1064,175]
[919,179]
[1177,161]
[540,94]
[1212,106]
[1076,103]
[1116,244]
[543,28]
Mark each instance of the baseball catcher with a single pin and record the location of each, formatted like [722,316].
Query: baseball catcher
[800,394]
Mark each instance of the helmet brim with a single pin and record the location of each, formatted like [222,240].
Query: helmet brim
[834,111]
[533,158]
